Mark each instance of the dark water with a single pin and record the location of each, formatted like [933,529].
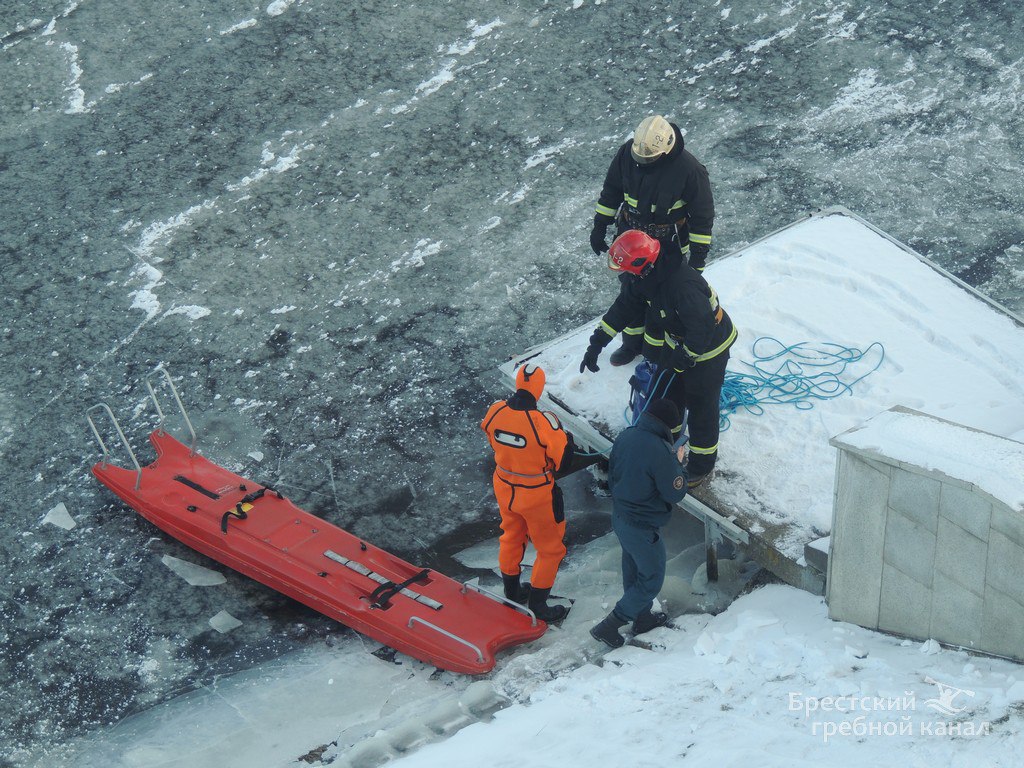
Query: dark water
[333,222]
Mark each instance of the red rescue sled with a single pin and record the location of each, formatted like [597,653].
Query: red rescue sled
[254,530]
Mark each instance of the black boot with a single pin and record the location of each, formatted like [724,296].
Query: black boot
[699,474]
[628,352]
[511,584]
[514,591]
[608,631]
[538,603]
[649,620]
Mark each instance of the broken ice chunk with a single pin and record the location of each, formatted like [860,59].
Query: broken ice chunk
[60,517]
[194,574]
[224,622]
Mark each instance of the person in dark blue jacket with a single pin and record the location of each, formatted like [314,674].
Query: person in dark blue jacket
[647,479]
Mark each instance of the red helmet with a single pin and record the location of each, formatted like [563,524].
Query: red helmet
[635,252]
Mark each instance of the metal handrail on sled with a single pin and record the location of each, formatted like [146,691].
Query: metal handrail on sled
[501,599]
[160,371]
[446,633]
[159,411]
[120,434]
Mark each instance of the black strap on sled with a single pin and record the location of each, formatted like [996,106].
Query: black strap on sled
[238,512]
[381,596]
[196,487]
[249,498]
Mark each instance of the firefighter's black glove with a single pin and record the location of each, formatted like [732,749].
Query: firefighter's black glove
[681,360]
[599,233]
[699,256]
[590,359]
[598,341]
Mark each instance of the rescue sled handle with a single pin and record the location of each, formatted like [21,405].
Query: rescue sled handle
[446,633]
[160,429]
[466,586]
[177,399]
[120,434]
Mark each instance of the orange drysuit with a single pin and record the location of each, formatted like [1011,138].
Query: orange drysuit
[529,446]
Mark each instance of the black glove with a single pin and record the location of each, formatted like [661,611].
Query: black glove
[681,360]
[599,233]
[598,341]
[699,255]
[590,359]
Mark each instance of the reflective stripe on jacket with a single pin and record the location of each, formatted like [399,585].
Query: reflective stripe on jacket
[673,190]
[676,306]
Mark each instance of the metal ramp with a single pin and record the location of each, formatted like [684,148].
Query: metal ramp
[717,527]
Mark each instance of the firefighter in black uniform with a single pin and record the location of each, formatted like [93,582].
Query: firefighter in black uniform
[656,186]
[687,334]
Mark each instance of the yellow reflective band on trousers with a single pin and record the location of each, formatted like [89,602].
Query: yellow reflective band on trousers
[702,239]
[648,339]
[634,330]
[703,451]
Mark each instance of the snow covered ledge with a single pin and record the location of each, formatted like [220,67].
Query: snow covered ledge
[928,532]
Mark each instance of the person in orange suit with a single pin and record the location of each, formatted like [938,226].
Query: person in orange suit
[530,447]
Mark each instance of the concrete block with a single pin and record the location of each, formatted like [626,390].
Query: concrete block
[910,547]
[1009,522]
[1005,571]
[816,553]
[915,496]
[905,607]
[968,510]
[877,463]
[1002,628]
[956,613]
[961,556]
[857,541]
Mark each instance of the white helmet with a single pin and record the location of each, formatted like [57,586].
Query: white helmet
[653,138]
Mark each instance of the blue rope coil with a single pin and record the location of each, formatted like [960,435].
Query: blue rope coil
[794,374]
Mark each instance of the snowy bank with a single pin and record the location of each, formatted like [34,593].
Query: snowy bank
[769,682]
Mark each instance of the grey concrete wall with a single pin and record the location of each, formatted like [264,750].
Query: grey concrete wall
[922,554]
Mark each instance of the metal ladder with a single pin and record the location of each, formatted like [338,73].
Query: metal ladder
[160,371]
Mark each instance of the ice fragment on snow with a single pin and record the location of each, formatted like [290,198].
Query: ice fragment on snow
[705,645]
[857,653]
[930,647]
[60,517]
[256,455]
[482,699]
[194,574]
[224,622]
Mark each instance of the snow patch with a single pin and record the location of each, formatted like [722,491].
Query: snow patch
[191,311]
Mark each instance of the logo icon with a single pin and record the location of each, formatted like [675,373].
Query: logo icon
[945,702]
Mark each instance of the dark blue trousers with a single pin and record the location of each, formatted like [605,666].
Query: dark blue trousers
[643,567]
